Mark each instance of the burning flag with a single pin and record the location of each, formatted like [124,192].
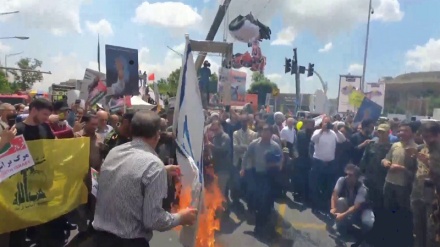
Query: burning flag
[189,131]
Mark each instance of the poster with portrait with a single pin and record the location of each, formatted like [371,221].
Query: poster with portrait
[368,110]
[347,85]
[93,87]
[236,94]
[122,71]
[376,92]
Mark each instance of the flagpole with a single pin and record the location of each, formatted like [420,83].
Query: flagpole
[99,56]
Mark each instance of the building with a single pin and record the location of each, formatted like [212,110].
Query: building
[286,102]
[412,93]
[72,83]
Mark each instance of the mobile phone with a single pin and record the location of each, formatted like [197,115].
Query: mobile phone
[12,120]
[227,108]
[330,126]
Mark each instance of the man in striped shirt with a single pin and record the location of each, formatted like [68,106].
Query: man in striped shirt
[132,186]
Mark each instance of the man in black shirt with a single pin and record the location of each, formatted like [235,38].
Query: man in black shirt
[34,127]
[360,140]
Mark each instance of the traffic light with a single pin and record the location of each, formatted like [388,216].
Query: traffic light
[311,69]
[288,65]
[302,70]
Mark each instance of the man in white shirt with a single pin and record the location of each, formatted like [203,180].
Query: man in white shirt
[288,134]
[322,175]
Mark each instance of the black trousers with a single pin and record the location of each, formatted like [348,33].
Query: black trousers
[105,239]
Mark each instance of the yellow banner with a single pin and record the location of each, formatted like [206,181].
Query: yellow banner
[355,99]
[53,187]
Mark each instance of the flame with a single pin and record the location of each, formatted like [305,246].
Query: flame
[209,222]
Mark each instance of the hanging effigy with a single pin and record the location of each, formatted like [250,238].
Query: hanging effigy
[255,60]
[247,29]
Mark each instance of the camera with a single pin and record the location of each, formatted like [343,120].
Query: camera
[330,126]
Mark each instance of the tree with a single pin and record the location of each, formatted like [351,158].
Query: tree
[26,79]
[169,86]
[261,85]
[213,84]
[5,86]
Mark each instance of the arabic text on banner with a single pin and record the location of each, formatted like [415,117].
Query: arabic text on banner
[52,187]
[14,158]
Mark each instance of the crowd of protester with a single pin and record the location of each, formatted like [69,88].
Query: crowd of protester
[376,180]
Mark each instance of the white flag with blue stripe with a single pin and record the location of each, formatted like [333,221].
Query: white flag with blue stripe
[189,130]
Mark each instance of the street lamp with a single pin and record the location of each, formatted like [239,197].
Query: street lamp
[6,60]
[370,12]
[16,37]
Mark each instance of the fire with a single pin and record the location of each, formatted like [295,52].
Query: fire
[209,222]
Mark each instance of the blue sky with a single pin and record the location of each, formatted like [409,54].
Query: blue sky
[404,35]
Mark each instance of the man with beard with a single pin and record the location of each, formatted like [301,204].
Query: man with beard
[375,175]
[58,121]
[220,147]
[7,111]
[34,127]
[398,182]
[423,191]
[348,202]
[85,212]
[118,136]
[371,166]
[360,140]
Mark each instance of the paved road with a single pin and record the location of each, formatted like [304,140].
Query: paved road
[297,225]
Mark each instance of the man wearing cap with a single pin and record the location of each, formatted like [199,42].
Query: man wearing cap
[58,121]
[371,165]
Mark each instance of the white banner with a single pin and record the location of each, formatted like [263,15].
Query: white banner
[347,84]
[15,157]
[188,127]
[232,85]
[376,92]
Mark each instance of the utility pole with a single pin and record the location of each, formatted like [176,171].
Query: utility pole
[292,66]
[221,12]
[367,37]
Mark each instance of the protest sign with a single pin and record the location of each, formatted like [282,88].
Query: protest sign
[14,157]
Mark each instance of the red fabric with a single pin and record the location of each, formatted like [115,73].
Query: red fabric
[151,77]
[61,131]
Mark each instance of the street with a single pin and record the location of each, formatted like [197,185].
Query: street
[297,225]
